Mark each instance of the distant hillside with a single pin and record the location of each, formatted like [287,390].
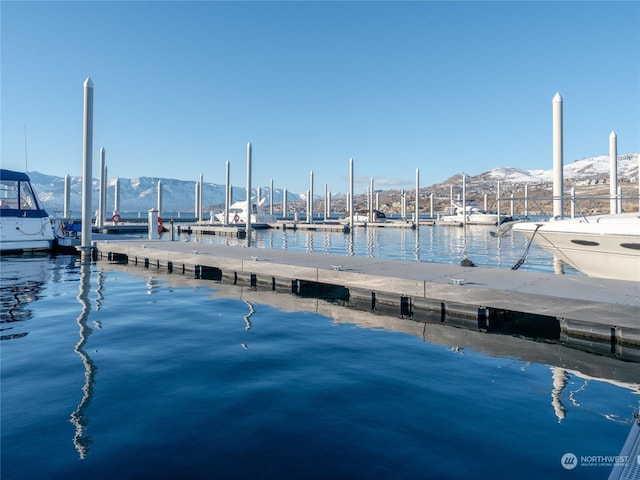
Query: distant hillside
[140,194]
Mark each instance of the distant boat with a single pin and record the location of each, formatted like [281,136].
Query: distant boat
[24,223]
[603,246]
[238,214]
[363,216]
[472,215]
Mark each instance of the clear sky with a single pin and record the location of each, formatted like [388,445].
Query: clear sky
[446,87]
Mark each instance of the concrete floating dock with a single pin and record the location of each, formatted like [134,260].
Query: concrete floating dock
[596,315]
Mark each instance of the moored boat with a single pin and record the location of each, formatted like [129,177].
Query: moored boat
[603,246]
[24,223]
[472,215]
[238,214]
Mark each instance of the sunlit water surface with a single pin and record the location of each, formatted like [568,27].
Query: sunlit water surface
[108,374]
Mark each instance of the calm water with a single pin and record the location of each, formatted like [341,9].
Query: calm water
[427,244]
[114,373]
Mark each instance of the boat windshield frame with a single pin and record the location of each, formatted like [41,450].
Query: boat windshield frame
[18,198]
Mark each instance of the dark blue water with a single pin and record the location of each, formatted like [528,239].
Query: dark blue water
[109,374]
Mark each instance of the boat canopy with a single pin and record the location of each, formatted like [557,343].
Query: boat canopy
[11,175]
[17,198]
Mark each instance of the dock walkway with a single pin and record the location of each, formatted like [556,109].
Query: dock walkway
[586,310]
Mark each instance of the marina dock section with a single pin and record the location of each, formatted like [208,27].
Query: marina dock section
[597,315]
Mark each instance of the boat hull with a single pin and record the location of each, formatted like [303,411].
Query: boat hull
[25,234]
[473,219]
[606,246]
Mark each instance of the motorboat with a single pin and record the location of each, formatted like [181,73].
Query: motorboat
[472,215]
[363,216]
[24,223]
[238,214]
[602,246]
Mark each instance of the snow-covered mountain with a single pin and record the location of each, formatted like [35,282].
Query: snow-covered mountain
[583,170]
[140,194]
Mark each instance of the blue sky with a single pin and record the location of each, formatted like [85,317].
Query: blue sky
[446,87]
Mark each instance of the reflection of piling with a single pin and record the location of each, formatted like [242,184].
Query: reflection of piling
[79,419]
[560,380]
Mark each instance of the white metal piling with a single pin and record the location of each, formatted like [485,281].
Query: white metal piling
[196,205]
[417,197]
[558,188]
[87,147]
[103,213]
[227,194]
[431,204]
[200,193]
[116,195]
[326,201]
[613,173]
[351,194]
[160,198]
[249,206]
[271,197]
[464,199]
[153,224]
[284,204]
[498,198]
[101,194]
[619,198]
[371,200]
[67,197]
[310,199]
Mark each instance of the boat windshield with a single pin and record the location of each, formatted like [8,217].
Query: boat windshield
[17,197]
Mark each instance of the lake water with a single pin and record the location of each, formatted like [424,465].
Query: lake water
[113,372]
[426,244]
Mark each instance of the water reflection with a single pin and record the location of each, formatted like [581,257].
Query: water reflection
[21,284]
[560,380]
[79,419]
[437,244]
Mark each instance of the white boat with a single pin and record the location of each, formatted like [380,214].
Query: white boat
[363,216]
[603,246]
[238,214]
[472,214]
[24,223]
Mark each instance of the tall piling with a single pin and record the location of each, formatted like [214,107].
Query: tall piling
[558,188]
[87,147]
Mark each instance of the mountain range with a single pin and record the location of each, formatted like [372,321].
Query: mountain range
[140,194]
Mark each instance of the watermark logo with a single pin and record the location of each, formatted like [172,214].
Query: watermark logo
[569,461]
